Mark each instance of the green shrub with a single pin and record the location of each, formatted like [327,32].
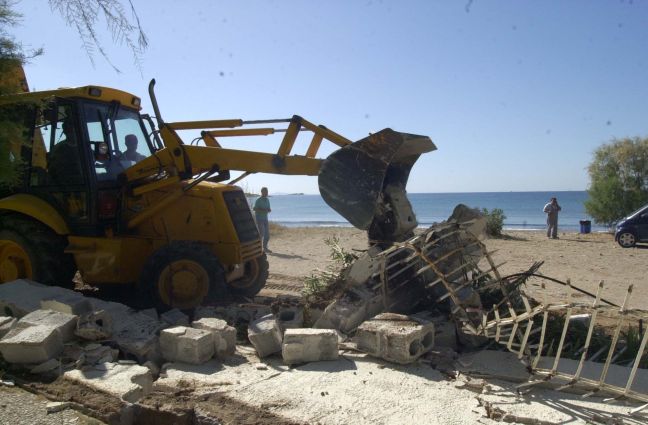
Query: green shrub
[494,221]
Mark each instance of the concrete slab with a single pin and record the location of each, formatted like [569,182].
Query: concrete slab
[224,335]
[64,323]
[265,335]
[187,345]
[395,337]
[27,343]
[23,296]
[68,303]
[495,364]
[128,382]
[309,345]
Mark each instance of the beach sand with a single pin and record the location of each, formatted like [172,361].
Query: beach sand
[585,259]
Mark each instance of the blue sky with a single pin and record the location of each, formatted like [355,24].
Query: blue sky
[515,94]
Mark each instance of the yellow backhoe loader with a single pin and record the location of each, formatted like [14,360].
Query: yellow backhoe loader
[107,192]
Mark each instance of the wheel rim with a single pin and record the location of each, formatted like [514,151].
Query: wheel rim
[183,284]
[627,239]
[250,276]
[14,262]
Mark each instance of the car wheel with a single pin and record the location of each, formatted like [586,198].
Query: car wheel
[627,239]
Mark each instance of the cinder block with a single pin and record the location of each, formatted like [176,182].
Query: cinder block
[309,345]
[265,335]
[27,343]
[224,335]
[175,317]
[94,326]
[64,323]
[291,318]
[187,345]
[395,337]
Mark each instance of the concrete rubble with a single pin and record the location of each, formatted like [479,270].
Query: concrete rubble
[396,338]
[175,317]
[224,335]
[407,304]
[265,335]
[187,345]
[37,337]
[94,326]
[129,382]
[309,345]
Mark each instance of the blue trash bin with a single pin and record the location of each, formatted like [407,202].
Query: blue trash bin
[585,226]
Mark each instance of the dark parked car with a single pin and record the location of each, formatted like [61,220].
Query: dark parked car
[633,228]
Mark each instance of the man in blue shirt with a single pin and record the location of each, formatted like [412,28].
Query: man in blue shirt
[261,210]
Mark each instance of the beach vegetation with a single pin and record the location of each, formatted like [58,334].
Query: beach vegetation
[494,221]
[322,284]
[618,180]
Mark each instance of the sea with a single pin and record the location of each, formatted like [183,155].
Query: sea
[523,210]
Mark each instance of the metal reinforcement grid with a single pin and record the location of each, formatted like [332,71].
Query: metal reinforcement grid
[447,257]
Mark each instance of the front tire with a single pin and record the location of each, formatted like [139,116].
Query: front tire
[253,280]
[627,239]
[181,275]
[31,250]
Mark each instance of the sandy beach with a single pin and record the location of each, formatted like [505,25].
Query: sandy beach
[585,259]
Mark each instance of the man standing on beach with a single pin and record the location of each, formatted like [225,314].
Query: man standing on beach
[261,210]
[551,209]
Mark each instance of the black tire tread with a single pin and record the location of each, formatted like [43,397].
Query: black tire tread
[147,288]
[50,265]
[258,284]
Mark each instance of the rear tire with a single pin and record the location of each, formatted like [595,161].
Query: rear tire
[182,275]
[31,250]
[254,279]
[627,239]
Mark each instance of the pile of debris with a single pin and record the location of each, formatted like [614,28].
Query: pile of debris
[399,303]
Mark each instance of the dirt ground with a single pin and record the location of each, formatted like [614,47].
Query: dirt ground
[585,259]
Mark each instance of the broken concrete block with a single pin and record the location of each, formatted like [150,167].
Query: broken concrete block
[23,296]
[128,382]
[73,303]
[175,317]
[135,333]
[265,335]
[27,343]
[309,345]
[224,335]
[291,318]
[64,323]
[187,345]
[6,323]
[94,326]
[349,311]
[395,338]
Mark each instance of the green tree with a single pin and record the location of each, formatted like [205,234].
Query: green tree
[618,179]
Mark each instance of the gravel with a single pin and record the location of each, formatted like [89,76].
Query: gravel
[19,407]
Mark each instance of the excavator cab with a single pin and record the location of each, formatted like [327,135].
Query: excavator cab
[107,192]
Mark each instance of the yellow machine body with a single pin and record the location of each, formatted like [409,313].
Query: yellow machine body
[165,221]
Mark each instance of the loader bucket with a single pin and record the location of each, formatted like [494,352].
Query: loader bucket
[365,182]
